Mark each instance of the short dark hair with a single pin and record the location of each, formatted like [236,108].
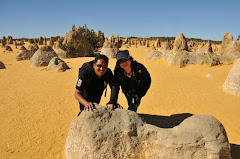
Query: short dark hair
[100,56]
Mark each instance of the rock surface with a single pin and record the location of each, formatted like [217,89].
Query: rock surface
[232,82]
[25,55]
[122,134]
[43,56]
[57,64]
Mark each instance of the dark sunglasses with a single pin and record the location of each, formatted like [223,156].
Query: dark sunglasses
[122,61]
[101,66]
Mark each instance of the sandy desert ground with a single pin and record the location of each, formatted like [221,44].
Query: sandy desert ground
[37,106]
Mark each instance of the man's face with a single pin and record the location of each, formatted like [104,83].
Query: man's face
[100,67]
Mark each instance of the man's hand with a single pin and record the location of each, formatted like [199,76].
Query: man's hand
[119,106]
[110,106]
[89,106]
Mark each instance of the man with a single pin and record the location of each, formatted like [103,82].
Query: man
[133,78]
[92,80]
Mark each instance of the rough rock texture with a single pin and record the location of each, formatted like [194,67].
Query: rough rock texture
[109,52]
[33,47]
[121,134]
[109,49]
[230,47]
[166,46]
[154,55]
[206,48]
[25,55]
[43,56]
[2,66]
[180,43]
[57,64]
[232,82]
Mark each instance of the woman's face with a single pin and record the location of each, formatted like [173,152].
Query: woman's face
[125,64]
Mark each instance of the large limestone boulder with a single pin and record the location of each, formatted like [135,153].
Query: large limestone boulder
[122,134]
[232,82]
[180,43]
[43,56]
[230,47]
[25,55]
[57,64]
[2,66]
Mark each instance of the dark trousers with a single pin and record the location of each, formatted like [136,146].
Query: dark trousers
[133,106]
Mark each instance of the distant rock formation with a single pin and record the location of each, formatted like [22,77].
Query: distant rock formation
[43,56]
[8,48]
[2,66]
[206,48]
[33,47]
[4,42]
[22,48]
[25,55]
[166,46]
[232,82]
[157,44]
[181,56]
[51,41]
[40,41]
[57,64]
[9,40]
[110,48]
[121,133]
[180,43]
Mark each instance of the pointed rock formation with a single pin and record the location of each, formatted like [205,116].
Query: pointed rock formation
[43,56]
[180,43]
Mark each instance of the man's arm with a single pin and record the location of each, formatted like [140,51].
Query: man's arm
[79,97]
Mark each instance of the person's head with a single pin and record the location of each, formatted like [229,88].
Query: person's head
[123,59]
[100,65]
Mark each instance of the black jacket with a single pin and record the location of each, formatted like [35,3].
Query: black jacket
[140,82]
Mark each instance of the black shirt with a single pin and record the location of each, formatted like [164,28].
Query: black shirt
[140,82]
[92,86]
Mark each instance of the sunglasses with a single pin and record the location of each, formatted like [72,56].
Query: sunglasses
[101,66]
[122,60]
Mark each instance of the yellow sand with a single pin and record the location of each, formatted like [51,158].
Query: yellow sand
[37,106]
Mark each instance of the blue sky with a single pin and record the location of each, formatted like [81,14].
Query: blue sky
[206,19]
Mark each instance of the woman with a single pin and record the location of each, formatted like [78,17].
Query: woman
[133,78]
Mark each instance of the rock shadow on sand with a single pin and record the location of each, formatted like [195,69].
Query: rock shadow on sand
[165,121]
